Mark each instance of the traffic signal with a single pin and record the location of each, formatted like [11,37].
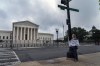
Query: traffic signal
[63,2]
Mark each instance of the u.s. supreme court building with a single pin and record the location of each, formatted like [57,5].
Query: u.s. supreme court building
[25,32]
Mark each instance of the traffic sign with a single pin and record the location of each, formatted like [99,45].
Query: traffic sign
[64,7]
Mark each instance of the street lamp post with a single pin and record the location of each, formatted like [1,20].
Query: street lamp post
[57,36]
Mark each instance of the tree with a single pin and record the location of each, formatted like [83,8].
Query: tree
[65,38]
[80,33]
[90,33]
[95,35]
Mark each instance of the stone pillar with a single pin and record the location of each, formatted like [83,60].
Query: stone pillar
[34,34]
[31,34]
[28,34]
[21,34]
[14,33]
[24,32]
[17,33]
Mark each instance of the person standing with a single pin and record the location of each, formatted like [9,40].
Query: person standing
[73,46]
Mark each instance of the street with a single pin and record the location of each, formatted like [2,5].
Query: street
[8,57]
[32,54]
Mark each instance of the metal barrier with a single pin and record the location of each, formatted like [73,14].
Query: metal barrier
[10,44]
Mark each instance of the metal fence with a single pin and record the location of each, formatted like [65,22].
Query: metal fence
[34,44]
[10,44]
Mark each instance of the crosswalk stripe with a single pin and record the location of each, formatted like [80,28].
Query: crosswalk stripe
[8,57]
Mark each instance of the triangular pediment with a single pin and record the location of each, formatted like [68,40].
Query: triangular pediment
[25,23]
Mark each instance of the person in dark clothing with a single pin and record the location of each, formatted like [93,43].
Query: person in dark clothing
[73,46]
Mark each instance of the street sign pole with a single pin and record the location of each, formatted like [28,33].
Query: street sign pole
[69,21]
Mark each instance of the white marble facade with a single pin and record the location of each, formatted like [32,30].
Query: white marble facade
[45,37]
[5,35]
[24,31]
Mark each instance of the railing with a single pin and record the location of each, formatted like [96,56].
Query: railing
[36,44]
[28,44]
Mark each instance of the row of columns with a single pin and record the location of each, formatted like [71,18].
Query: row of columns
[24,33]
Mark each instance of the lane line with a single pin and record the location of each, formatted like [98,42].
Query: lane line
[17,57]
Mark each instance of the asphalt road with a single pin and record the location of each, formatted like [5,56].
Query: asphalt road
[33,54]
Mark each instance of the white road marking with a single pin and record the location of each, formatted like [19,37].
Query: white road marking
[7,57]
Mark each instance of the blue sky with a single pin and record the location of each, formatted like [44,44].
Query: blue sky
[46,14]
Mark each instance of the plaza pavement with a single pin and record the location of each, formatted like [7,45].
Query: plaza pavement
[92,59]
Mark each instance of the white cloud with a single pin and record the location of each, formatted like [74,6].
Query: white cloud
[48,15]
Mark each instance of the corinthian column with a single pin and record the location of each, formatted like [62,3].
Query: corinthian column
[14,33]
[21,34]
[31,34]
[24,32]
[28,34]
[34,33]
[17,33]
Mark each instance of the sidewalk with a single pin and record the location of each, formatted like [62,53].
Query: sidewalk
[84,60]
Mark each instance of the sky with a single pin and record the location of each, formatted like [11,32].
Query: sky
[48,16]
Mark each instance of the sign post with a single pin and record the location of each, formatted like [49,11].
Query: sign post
[68,21]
